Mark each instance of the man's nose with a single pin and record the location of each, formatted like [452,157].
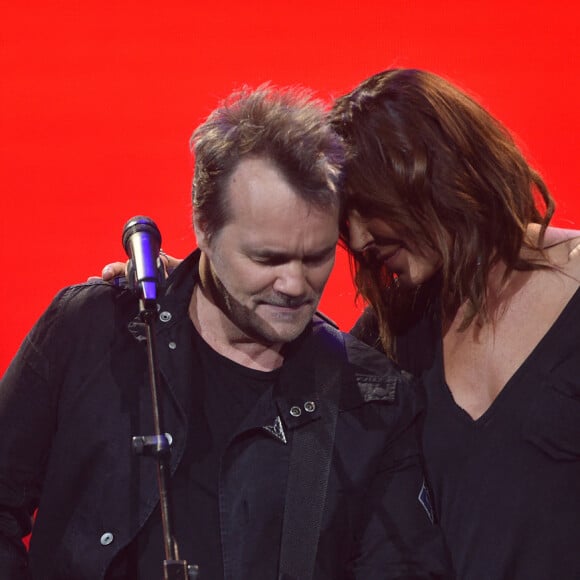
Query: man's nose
[291,279]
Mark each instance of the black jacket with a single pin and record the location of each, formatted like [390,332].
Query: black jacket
[77,392]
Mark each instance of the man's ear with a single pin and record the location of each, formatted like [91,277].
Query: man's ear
[201,236]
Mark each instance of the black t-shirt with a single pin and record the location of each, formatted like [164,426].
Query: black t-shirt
[507,485]
[224,393]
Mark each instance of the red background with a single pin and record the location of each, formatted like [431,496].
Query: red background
[98,100]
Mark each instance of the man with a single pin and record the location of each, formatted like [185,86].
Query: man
[254,417]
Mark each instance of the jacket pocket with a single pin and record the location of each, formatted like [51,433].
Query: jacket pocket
[553,424]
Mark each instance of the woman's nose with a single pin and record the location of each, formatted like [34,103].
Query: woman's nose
[359,238]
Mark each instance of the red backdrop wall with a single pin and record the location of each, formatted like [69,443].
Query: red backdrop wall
[98,100]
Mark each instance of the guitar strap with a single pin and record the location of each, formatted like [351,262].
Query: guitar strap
[310,457]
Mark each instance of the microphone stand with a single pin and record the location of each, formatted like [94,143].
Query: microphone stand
[158,446]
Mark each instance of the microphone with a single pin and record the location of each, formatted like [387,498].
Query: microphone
[142,242]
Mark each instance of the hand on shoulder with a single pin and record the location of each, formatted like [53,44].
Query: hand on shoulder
[557,236]
[562,247]
[118,269]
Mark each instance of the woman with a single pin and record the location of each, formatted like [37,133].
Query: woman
[469,288]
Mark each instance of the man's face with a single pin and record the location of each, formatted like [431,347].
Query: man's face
[269,263]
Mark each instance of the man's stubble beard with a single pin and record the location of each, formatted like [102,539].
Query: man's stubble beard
[246,320]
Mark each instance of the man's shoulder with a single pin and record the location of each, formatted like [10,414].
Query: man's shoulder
[87,294]
[376,376]
[77,305]
[366,328]
[370,384]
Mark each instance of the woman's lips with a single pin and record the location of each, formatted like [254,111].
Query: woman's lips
[385,254]
[389,258]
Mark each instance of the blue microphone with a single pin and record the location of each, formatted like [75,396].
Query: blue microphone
[142,242]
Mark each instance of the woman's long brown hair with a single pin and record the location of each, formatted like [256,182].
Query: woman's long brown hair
[428,159]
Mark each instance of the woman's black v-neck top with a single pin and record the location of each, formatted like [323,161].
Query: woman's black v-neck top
[506,486]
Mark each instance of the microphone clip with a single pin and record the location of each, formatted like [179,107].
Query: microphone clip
[146,289]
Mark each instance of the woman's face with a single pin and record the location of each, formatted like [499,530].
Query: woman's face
[382,243]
